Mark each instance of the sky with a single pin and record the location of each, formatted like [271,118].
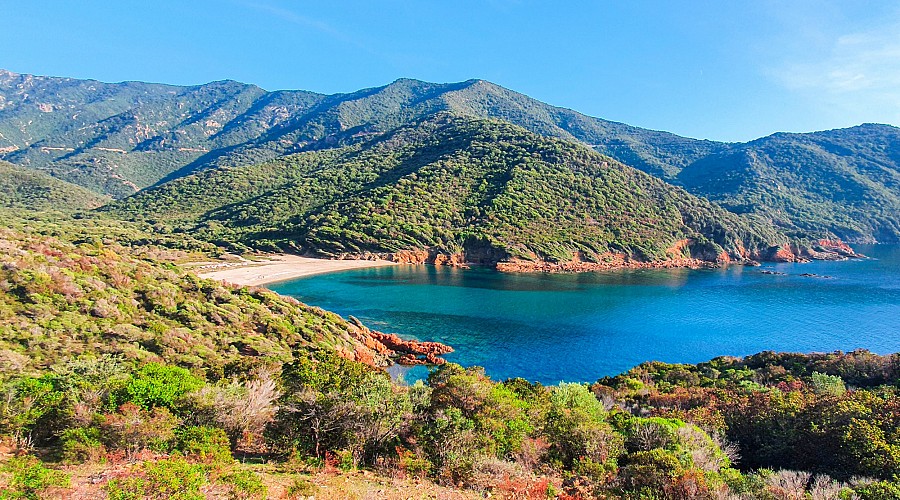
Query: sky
[711,69]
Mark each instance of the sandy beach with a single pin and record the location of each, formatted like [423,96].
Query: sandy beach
[279,268]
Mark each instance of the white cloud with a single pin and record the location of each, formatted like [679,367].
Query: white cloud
[857,71]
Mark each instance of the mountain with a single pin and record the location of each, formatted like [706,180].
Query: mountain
[843,181]
[26,188]
[120,138]
[452,188]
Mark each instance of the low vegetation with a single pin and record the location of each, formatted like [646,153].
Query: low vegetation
[23,188]
[767,426]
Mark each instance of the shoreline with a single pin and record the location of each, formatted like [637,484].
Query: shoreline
[277,268]
[283,267]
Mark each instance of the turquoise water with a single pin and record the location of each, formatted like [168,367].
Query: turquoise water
[579,327]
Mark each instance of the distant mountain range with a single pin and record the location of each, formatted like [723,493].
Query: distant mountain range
[117,139]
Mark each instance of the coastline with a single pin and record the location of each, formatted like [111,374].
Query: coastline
[278,267]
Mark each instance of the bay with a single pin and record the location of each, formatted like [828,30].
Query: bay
[579,327]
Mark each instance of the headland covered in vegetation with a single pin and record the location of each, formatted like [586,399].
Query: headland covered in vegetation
[125,374]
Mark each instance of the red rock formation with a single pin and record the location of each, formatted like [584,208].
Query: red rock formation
[609,262]
[679,248]
[784,254]
[723,258]
[404,352]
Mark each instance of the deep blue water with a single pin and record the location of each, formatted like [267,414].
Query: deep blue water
[579,327]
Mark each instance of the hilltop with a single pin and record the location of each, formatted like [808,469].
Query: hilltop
[844,181]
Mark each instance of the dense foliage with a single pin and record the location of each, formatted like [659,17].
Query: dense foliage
[115,138]
[453,185]
[26,188]
[739,427]
[111,354]
[843,181]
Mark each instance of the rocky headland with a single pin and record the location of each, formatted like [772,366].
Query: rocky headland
[382,349]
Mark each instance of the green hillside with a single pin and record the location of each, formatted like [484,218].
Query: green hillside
[119,138]
[68,289]
[844,181]
[123,137]
[483,188]
[26,188]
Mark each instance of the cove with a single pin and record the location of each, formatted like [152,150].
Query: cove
[579,327]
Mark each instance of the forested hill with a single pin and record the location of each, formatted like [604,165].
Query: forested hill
[26,188]
[844,181]
[483,190]
[119,138]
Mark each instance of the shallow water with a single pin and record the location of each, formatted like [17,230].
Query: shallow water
[579,327]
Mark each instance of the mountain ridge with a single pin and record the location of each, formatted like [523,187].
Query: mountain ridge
[117,139]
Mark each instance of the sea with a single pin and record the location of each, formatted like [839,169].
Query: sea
[550,328]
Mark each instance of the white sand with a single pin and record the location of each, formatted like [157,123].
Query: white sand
[279,268]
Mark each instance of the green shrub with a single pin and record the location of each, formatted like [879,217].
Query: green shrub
[245,485]
[129,488]
[881,490]
[302,488]
[576,427]
[81,444]
[29,477]
[828,384]
[176,478]
[159,385]
[345,460]
[209,443]
[30,406]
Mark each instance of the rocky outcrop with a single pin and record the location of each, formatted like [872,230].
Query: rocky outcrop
[420,256]
[377,346]
[819,250]
[607,262]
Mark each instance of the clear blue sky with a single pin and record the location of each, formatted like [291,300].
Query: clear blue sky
[714,69]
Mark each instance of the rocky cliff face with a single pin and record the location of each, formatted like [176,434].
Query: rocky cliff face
[685,253]
[818,250]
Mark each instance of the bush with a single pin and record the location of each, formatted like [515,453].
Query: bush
[828,384]
[245,485]
[133,428]
[156,385]
[208,443]
[29,477]
[81,444]
[30,407]
[176,479]
[130,488]
[169,479]
[301,488]
[881,490]
[576,427]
